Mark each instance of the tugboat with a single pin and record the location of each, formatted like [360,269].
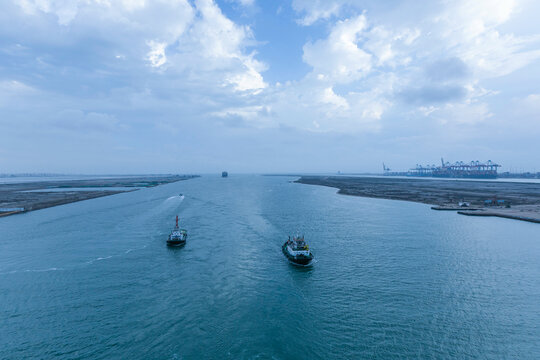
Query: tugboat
[297,251]
[177,236]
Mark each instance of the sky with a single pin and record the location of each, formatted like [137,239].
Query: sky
[262,86]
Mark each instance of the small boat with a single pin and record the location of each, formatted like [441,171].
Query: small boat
[224,174]
[297,251]
[178,236]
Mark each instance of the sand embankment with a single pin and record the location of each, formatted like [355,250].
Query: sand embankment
[529,213]
[30,196]
[524,198]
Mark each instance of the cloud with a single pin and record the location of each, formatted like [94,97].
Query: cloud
[14,87]
[214,44]
[465,46]
[447,69]
[246,2]
[470,32]
[531,103]
[315,10]
[168,34]
[156,56]
[360,58]
[524,114]
[358,69]
[462,113]
[13,91]
[330,97]
[65,11]
[433,94]
[362,69]
[115,48]
[338,57]
[254,116]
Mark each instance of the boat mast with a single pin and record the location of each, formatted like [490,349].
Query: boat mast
[176,221]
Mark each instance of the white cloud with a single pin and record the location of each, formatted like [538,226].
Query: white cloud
[156,55]
[249,79]
[339,57]
[358,56]
[172,35]
[357,70]
[12,90]
[469,30]
[330,97]
[251,113]
[526,109]
[65,10]
[401,68]
[246,2]
[524,116]
[131,5]
[532,102]
[461,42]
[14,87]
[316,10]
[221,44]
[462,113]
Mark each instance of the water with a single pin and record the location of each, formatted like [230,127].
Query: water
[94,279]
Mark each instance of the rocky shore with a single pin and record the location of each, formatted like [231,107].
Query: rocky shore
[513,200]
[27,196]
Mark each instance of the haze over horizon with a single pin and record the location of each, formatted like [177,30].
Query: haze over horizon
[130,87]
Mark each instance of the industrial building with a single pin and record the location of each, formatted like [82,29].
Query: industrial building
[460,169]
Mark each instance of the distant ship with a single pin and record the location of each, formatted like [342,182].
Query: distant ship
[297,251]
[177,237]
[224,174]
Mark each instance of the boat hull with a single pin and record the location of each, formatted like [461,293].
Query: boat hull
[176,243]
[297,260]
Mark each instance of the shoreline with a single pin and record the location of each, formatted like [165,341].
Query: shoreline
[514,213]
[19,198]
[511,200]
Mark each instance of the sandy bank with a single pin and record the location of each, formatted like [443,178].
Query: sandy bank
[524,198]
[529,213]
[24,196]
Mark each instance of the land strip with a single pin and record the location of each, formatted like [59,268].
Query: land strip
[523,198]
[27,196]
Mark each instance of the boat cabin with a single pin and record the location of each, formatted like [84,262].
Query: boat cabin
[298,245]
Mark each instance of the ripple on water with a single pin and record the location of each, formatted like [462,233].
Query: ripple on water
[390,279]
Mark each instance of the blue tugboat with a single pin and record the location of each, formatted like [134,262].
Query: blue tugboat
[297,251]
[177,237]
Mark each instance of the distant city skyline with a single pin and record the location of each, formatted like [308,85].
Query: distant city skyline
[250,86]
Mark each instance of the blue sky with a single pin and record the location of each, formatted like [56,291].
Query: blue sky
[135,86]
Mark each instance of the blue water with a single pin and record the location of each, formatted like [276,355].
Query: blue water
[94,279]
